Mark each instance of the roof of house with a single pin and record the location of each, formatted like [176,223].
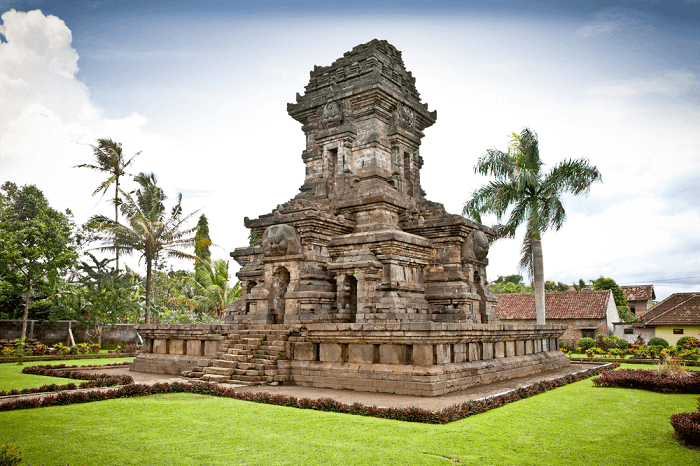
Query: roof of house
[677,309]
[557,305]
[639,292]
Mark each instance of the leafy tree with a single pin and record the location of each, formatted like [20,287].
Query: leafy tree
[529,196]
[623,308]
[515,279]
[99,295]
[202,241]
[580,285]
[36,241]
[559,286]
[510,287]
[149,229]
[110,160]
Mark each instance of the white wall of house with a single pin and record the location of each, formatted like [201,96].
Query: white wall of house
[611,313]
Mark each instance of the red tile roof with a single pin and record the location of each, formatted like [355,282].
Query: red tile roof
[678,309]
[557,305]
[639,292]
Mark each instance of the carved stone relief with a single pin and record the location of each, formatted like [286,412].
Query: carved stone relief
[280,240]
[475,247]
[330,114]
[403,116]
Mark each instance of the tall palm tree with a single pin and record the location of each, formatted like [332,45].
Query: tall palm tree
[109,159]
[527,195]
[149,230]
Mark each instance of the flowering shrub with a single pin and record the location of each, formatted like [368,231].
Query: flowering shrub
[8,352]
[620,353]
[128,349]
[83,348]
[95,348]
[41,349]
[688,343]
[411,414]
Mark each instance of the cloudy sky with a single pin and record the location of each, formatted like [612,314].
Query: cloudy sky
[201,91]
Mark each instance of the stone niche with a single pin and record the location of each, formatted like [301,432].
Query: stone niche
[359,280]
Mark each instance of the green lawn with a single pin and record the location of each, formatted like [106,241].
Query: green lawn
[573,425]
[11,376]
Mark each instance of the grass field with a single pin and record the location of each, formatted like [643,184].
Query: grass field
[11,376]
[575,424]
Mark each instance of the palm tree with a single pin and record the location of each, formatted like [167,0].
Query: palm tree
[527,195]
[217,293]
[149,230]
[109,159]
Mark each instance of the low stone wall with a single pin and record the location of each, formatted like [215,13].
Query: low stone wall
[51,333]
[419,358]
[172,348]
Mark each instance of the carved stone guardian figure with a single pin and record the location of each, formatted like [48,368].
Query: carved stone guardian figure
[280,240]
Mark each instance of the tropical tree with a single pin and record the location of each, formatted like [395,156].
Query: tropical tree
[623,308]
[110,160]
[216,292]
[36,241]
[149,229]
[526,195]
[202,241]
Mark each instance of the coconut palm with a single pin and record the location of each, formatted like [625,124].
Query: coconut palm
[526,195]
[149,230]
[109,159]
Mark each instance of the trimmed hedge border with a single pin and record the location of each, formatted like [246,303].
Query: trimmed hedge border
[646,380]
[411,414]
[630,361]
[68,357]
[69,372]
[687,427]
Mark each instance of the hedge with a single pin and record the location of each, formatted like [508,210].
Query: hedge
[687,427]
[648,380]
[410,414]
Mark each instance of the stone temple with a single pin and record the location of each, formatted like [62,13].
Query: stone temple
[359,282]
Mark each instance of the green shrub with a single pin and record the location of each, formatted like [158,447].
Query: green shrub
[586,343]
[8,352]
[10,455]
[658,341]
[616,342]
[61,349]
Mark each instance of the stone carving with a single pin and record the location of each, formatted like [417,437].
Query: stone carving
[330,114]
[280,240]
[403,116]
[481,245]
[475,247]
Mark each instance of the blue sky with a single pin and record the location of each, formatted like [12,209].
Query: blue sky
[202,90]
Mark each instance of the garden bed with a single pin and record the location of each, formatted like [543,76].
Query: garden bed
[67,357]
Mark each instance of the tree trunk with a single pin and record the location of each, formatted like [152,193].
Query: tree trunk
[23,335]
[116,220]
[538,271]
[148,291]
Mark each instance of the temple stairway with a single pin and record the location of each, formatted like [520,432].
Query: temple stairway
[248,357]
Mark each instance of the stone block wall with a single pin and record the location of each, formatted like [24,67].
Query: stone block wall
[51,333]
[172,349]
[420,358]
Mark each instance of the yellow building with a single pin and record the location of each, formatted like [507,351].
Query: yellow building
[675,317]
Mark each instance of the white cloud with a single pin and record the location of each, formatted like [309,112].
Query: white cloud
[671,83]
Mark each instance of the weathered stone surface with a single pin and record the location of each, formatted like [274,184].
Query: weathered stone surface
[160,346]
[330,352]
[304,351]
[361,353]
[443,354]
[422,355]
[393,354]
[195,347]
[177,347]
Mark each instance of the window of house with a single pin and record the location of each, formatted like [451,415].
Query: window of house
[588,333]
[678,331]
[629,331]
[632,310]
